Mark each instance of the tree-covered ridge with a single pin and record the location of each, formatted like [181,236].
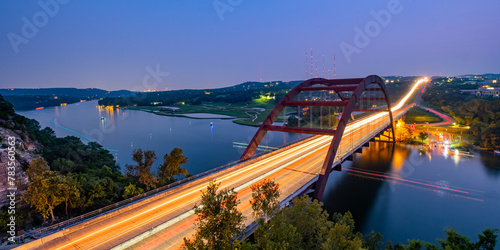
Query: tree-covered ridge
[26,99]
[240,93]
[244,92]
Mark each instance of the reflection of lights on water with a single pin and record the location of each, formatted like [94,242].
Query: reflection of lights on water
[397,162]
[444,184]
[445,151]
[456,157]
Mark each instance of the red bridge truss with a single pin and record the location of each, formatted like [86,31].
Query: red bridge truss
[350,93]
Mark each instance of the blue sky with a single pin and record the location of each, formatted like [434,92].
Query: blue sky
[192,44]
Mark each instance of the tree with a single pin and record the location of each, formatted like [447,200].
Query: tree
[264,201]
[487,240]
[171,166]
[454,240]
[402,131]
[342,235]
[131,190]
[330,120]
[219,221]
[292,121]
[70,191]
[309,219]
[423,136]
[45,188]
[490,138]
[305,225]
[278,233]
[372,241]
[142,171]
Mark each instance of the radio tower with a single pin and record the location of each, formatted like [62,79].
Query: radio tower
[307,73]
[316,69]
[312,63]
[323,66]
[334,65]
[260,73]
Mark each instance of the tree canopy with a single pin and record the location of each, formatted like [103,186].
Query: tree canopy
[219,221]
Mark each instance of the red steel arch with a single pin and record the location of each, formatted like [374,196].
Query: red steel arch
[355,85]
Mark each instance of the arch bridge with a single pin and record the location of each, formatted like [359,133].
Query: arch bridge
[350,94]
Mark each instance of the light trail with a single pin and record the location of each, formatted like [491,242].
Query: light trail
[291,167]
[405,180]
[301,150]
[74,132]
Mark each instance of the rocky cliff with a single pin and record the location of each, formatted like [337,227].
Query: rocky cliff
[25,151]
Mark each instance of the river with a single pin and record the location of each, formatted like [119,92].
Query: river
[392,189]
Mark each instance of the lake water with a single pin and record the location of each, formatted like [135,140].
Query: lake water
[208,143]
[393,189]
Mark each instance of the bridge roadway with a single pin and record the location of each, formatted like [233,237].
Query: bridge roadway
[165,219]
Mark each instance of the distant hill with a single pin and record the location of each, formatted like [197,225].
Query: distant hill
[26,99]
[240,93]
[487,75]
[73,92]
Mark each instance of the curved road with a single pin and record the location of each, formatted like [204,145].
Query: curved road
[162,221]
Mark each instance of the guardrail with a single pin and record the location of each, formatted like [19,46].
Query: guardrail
[143,196]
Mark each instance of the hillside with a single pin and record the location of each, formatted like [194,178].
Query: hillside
[26,99]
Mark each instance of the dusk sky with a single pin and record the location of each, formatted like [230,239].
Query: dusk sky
[205,44]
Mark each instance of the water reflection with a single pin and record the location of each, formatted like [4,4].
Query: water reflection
[416,192]
[491,163]
[356,192]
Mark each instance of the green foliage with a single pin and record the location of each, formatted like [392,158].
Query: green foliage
[70,192]
[481,114]
[487,240]
[292,121]
[131,190]
[414,245]
[305,225]
[45,188]
[171,167]
[372,241]
[418,115]
[6,109]
[310,220]
[278,233]
[342,235]
[264,201]
[242,93]
[455,241]
[219,221]
[142,171]
[27,102]
[422,136]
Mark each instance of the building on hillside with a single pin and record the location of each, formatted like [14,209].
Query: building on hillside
[483,91]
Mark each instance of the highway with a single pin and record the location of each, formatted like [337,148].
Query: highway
[170,215]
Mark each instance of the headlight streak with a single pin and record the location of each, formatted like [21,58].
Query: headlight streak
[290,156]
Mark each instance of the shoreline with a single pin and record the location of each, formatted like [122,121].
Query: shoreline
[234,119]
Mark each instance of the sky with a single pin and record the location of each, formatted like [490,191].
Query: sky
[191,44]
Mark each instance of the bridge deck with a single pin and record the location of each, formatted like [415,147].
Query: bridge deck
[164,222]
